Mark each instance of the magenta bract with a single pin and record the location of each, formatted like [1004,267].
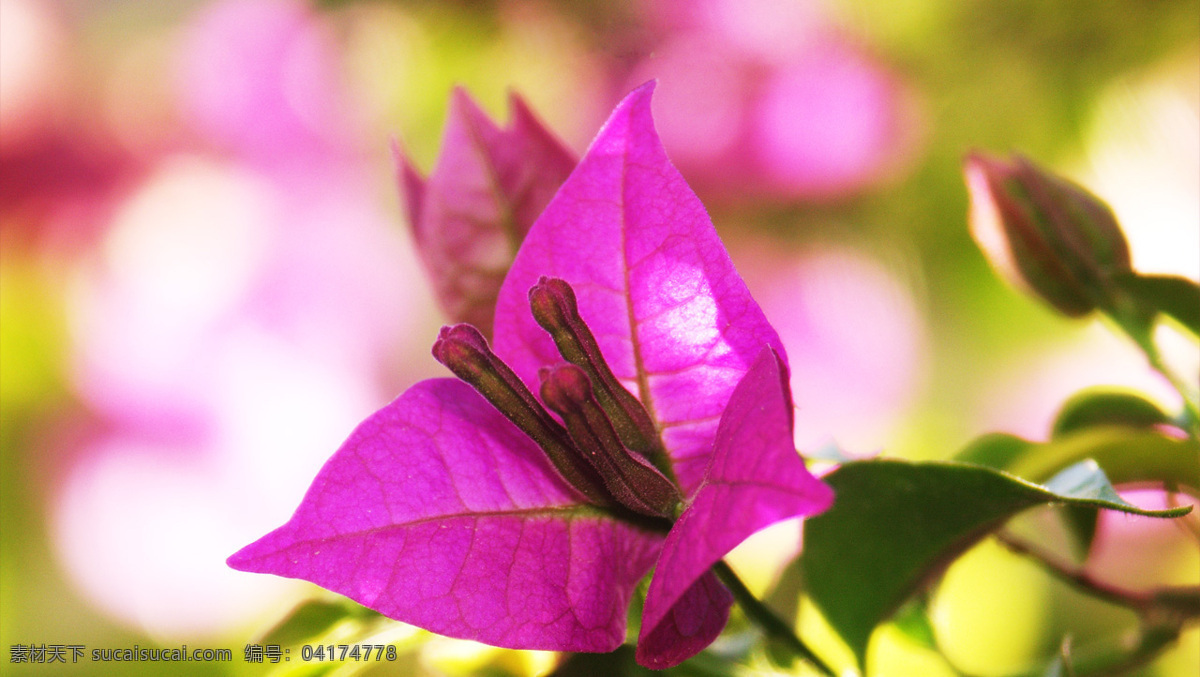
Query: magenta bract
[438,511]
[489,186]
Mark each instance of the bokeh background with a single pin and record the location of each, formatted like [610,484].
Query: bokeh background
[207,280]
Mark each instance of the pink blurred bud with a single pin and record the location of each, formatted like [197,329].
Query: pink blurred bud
[1045,233]
[258,77]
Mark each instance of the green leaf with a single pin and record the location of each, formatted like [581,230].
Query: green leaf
[313,619]
[913,621]
[1091,408]
[995,450]
[1088,486]
[1176,297]
[1080,522]
[619,663]
[1127,455]
[897,524]
[1085,429]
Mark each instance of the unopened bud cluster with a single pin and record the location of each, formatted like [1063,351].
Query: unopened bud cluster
[606,446]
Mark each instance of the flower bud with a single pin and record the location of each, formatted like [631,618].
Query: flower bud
[1046,233]
[466,353]
[635,483]
[553,304]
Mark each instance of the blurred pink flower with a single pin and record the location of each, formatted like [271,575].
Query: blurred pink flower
[1140,552]
[855,338]
[243,310]
[61,172]
[826,122]
[259,77]
[768,98]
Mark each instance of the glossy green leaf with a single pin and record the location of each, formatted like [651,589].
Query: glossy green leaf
[1127,455]
[1092,408]
[1176,297]
[897,524]
[1086,428]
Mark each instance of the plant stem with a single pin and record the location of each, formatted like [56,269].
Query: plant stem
[1077,578]
[766,619]
[1178,602]
[1108,661]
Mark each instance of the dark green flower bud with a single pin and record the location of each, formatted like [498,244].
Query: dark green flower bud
[635,483]
[466,353]
[554,307]
[1046,233]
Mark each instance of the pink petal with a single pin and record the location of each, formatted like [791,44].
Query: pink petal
[674,320]
[487,189]
[691,624]
[756,478]
[438,512]
[412,188]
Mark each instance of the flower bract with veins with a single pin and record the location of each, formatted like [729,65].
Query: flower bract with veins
[469,216]
[467,508]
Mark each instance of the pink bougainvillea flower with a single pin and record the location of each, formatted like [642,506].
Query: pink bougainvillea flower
[468,509]
[489,186]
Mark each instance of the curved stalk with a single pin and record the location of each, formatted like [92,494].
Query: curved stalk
[773,626]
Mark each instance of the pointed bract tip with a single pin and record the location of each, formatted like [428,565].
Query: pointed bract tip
[647,87]
[631,115]
[638,101]
[459,96]
[519,112]
[412,186]
[244,559]
[465,108]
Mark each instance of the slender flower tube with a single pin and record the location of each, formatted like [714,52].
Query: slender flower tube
[630,479]
[466,353]
[554,307]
